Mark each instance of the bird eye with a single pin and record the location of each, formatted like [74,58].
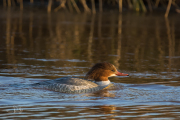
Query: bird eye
[113,70]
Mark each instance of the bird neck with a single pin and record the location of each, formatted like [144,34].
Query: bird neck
[103,83]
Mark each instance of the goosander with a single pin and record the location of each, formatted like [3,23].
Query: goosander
[99,73]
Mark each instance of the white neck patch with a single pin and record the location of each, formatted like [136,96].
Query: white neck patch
[103,83]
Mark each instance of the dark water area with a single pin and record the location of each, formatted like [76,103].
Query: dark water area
[36,46]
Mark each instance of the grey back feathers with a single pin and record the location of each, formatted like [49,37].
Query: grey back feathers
[71,85]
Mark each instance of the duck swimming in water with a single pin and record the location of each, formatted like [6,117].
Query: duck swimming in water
[99,73]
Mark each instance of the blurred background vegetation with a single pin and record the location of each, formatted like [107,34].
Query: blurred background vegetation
[133,41]
[94,6]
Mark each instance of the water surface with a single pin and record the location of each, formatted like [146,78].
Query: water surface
[36,46]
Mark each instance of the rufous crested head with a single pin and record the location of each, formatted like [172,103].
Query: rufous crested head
[101,72]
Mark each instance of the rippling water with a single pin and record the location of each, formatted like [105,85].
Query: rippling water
[36,46]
